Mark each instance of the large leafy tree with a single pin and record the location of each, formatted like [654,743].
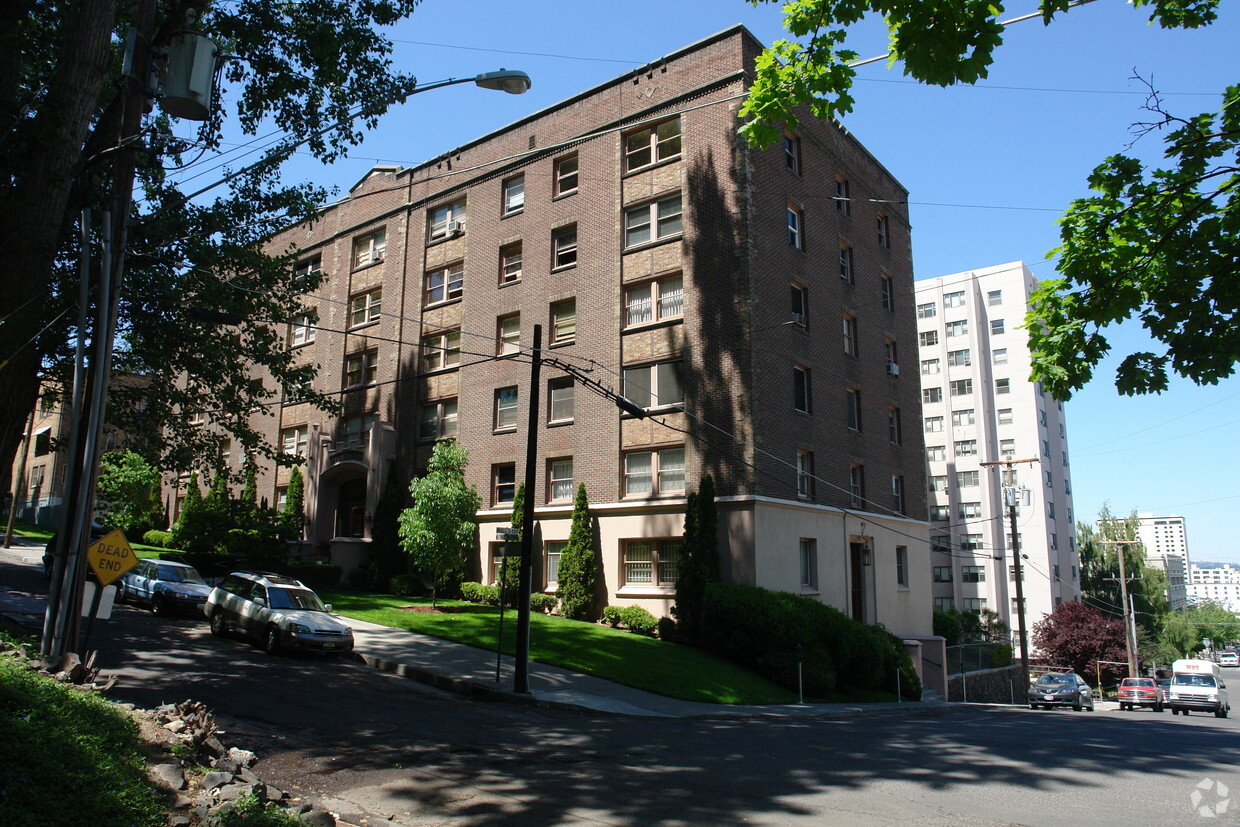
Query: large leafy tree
[438,529]
[301,66]
[1186,630]
[1159,245]
[1078,636]
[129,492]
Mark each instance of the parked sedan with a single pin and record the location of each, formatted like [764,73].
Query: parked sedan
[165,586]
[1134,692]
[1067,689]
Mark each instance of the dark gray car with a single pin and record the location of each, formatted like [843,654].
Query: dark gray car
[1066,689]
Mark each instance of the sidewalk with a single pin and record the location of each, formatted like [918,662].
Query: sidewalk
[468,671]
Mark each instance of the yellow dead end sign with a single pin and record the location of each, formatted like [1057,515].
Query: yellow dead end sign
[111,556]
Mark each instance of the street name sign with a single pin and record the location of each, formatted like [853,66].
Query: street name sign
[111,556]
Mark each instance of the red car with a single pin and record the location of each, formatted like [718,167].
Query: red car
[1134,692]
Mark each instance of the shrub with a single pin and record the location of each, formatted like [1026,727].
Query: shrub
[542,602]
[667,629]
[611,615]
[480,593]
[637,620]
[947,625]
[405,584]
[248,811]
[314,575]
[159,539]
[1000,656]
[361,580]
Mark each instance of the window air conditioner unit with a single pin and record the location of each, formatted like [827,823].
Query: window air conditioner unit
[798,318]
[455,228]
[893,369]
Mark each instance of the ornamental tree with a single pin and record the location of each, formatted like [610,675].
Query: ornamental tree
[1078,636]
[578,577]
[129,492]
[438,530]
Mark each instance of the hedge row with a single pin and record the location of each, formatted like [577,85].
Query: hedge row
[762,629]
[489,595]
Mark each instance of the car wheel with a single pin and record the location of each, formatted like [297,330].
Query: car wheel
[271,642]
[1033,706]
[159,605]
[121,597]
[218,627]
[1076,705]
[1158,707]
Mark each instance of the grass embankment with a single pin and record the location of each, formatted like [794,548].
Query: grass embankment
[68,757]
[657,666]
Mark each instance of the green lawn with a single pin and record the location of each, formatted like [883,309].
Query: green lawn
[644,663]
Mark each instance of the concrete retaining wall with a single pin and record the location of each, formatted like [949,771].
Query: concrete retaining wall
[988,686]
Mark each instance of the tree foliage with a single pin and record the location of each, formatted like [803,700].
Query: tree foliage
[1077,636]
[438,530]
[578,577]
[1100,586]
[129,492]
[388,558]
[304,66]
[1156,244]
[699,560]
[1186,629]
[293,515]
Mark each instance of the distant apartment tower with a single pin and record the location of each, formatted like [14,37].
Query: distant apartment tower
[1215,584]
[978,405]
[1166,547]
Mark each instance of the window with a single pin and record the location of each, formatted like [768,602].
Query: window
[800,305]
[444,284]
[305,271]
[503,483]
[1009,477]
[843,203]
[1003,386]
[887,291]
[926,311]
[969,511]
[505,409]
[942,574]
[355,428]
[902,566]
[361,368]
[447,221]
[938,484]
[302,328]
[958,328]
[510,263]
[654,472]
[508,334]
[561,399]
[994,297]
[850,336]
[897,496]
[1018,603]
[369,248]
[972,574]
[931,395]
[1050,509]
[1012,574]
[929,367]
[295,441]
[652,145]
[514,195]
[564,247]
[955,299]
[364,308]
[846,268]
[651,562]
[805,475]
[943,604]
[809,563]
[1005,416]
[1007,448]
[792,153]
[652,222]
[856,485]
[1046,448]
[438,420]
[884,230]
[794,228]
[936,453]
[967,479]
[894,433]
[996,326]
[892,357]
[959,358]
[963,417]
[651,386]
[928,338]
[560,480]
[999,355]
[554,550]
[934,424]
[941,544]
[973,604]
[960,387]
[566,175]
[441,350]
[852,401]
[563,321]
[800,389]
[654,301]
[940,512]
[966,448]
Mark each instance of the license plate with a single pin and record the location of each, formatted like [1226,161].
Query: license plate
[330,645]
[1048,697]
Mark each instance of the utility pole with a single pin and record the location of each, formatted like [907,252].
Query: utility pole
[1010,495]
[521,672]
[1125,604]
[18,488]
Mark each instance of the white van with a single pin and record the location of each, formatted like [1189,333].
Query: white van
[1228,659]
[1198,684]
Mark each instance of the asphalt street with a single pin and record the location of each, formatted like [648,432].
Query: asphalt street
[382,750]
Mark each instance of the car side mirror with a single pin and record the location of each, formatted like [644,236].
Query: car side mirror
[258,601]
[327,606]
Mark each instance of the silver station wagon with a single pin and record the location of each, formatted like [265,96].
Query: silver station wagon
[278,611]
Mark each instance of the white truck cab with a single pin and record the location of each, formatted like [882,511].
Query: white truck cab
[1198,685]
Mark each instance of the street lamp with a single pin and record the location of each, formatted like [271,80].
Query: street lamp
[512,81]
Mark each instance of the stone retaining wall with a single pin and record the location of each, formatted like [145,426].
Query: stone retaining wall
[988,686]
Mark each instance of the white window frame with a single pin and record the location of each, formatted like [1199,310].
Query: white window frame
[365,308]
[364,366]
[511,262]
[561,399]
[567,170]
[445,284]
[654,473]
[805,475]
[795,223]
[802,390]
[954,299]
[846,264]
[564,247]
[659,557]
[444,418]
[505,409]
[563,321]
[652,145]
[303,328]
[369,248]
[643,384]
[295,441]
[440,218]
[654,222]
[654,301]
[508,334]
[927,310]
[514,194]
[850,336]
[560,487]
[930,367]
[441,350]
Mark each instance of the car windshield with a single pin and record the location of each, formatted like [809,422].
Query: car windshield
[1138,682]
[1055,680]
[1193,680]
[295,599]
[176,574]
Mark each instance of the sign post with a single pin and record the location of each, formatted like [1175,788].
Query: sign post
[509,548]
[109,558]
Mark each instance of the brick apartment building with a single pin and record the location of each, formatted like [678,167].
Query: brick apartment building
[757,303]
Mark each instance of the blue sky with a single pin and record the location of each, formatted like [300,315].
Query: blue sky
[988,169]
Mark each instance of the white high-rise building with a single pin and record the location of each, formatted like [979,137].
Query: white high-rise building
[1166,547]
[979,406]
